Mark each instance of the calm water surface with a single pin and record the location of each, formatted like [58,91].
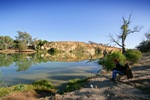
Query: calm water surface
[27,69]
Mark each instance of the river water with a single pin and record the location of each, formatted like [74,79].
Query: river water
[23,68]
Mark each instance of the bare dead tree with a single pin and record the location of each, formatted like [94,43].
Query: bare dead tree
[125,31]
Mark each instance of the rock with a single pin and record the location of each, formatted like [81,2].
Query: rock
[102,71]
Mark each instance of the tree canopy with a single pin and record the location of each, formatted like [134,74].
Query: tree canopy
[144,46]
[5,42]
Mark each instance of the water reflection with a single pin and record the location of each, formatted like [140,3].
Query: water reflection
[25,61]
[58,69]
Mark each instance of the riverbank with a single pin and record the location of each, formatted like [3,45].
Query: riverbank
[9,51]
[137,88]
[103,89]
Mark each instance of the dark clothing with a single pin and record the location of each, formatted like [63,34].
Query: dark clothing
[119,67]
[122,70]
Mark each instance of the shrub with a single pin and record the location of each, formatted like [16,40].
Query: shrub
[43,85]
[144,46]
[97,50]
[19,87]
[54,51]
[108,62]
[133,55]
[74,84]
[4,91]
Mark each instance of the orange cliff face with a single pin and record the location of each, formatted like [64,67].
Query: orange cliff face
[67,46]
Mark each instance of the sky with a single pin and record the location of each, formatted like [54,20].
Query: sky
[74,20]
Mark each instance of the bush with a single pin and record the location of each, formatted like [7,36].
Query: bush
[108,62]
[97,50]
[43,85]
[75,84]
[19,87]
[133,56]
[144,46]
[4,91]
[53,51]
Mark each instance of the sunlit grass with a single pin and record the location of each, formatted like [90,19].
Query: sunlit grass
[75,84]
[38,85]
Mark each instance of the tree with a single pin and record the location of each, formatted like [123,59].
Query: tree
[144,46]
[147,35]
[24,37]
[23,40]
[34,43]
[125,31]
[5,42]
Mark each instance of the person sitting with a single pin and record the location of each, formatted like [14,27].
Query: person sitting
[119,69]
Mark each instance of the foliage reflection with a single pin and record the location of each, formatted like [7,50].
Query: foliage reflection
[24,61]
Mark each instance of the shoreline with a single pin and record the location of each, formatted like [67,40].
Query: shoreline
[136,88]
[17,51]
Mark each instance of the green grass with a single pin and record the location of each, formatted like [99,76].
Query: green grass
[38,85]
[19,87]
[75,84]
[42,85]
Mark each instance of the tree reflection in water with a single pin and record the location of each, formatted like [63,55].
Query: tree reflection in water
[24,61]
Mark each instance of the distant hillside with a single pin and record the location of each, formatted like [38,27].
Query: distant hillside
[72,46]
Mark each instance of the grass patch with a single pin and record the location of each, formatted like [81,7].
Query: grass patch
[42,85]
[4,91]
[75,84]
[19,87]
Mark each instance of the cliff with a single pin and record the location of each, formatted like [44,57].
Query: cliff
[71,46]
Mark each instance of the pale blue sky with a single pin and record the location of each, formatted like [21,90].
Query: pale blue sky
[73,20]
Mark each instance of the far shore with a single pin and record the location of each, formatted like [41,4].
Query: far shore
[16,51]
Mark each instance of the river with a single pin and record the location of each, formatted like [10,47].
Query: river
[58,69]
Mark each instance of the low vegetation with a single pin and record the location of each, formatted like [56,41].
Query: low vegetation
[131,56]
[144,46]
[21,42]
[54,51]
[75,84]
[42,85]
[107,61]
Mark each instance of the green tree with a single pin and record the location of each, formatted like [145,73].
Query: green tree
[23,40]
[35,44]
[125,31]
[147,35]
[40,43]
[144,46]
[5,42]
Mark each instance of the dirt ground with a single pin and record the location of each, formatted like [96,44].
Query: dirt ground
[137,88]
